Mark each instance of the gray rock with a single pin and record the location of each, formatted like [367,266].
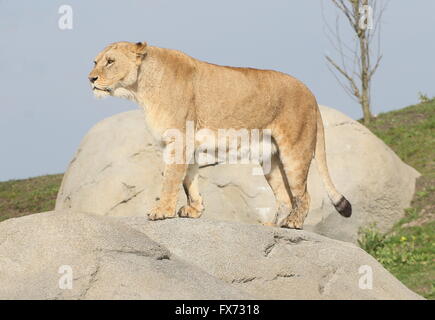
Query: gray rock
[275,263]
[132,258]
[117,171]
[108,260]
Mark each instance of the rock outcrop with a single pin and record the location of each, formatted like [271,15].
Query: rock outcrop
[73,255]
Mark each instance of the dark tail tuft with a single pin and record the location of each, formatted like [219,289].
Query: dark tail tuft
[344,207]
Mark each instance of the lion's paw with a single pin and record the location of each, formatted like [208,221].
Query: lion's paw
[293,222]
[159,213]
[189,212]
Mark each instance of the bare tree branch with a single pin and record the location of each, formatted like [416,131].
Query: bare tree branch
[375,67]
[344,74]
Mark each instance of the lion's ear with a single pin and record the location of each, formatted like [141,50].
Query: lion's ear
[140,48]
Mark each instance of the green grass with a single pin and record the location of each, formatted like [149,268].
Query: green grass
[22,197]
[408,250]
[410,133]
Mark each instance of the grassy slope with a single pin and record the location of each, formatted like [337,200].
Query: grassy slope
[407,250]
[21,197]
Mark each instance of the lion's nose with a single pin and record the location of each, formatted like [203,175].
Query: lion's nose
[93,79]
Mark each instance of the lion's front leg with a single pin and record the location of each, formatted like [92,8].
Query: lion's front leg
[194,207]
[172,177]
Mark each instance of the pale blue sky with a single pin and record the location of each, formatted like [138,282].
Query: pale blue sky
[46,104]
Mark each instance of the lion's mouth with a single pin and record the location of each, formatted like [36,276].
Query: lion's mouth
[101,89]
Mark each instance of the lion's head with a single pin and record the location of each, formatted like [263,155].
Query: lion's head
[116,68]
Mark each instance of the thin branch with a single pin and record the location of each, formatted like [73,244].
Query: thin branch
[375,67]
[344,74]
[346,89]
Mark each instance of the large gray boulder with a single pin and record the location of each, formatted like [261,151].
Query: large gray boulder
[132,258]
[117,171]
[107,260]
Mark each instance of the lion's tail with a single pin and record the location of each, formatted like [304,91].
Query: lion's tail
[340,203]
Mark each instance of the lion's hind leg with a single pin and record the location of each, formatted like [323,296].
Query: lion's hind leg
[296,158]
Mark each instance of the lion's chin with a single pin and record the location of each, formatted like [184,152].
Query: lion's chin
[100,94]
[121,92]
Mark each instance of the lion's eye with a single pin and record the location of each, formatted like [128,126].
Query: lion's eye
[110,61]
[95,63]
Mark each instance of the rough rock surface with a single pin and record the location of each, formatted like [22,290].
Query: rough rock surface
[132,258]
[117,171]
[108,260]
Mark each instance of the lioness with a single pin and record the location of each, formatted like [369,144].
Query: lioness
[174,88]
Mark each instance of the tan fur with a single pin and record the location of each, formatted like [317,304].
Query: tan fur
[174,88]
